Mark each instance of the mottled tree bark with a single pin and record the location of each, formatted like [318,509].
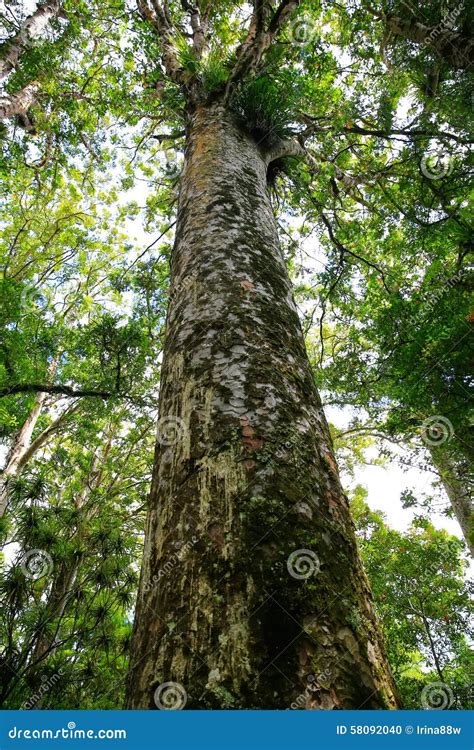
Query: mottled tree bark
[18,104]
[459,491]
[30,30]
[456,49]
[245,499]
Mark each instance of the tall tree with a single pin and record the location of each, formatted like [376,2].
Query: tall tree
[244,454]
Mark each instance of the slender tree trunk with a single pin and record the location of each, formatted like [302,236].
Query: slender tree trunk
[246,499]
[432,648]
[42,642]
[68,570]
[459,491]
[18,450]
[24,447]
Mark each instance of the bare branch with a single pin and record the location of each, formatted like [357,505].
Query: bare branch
[455,48]
[279,148]
[64,390]
[44,436]
[17,105]
[406,133]
[258,40]
[159,21]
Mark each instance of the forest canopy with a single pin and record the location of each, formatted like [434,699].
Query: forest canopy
[235,269]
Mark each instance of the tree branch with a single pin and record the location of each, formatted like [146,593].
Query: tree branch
[407,133]
[64,390]
[159,21]
[30,29]
[343,249]
[455,48]
[279,148]
[17,105]
[257,41]
[44,436]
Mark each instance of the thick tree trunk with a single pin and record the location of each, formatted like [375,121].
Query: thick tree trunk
[246,499]
[454,48]
[31,29]
[459,491]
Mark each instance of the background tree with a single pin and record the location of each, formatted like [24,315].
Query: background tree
[424,604]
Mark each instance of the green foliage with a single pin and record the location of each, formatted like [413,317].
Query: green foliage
[423,601]
[265,106]
[379,249]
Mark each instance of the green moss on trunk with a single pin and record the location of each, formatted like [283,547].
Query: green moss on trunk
[251,476]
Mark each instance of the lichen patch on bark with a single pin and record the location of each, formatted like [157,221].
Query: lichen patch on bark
[254,477]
